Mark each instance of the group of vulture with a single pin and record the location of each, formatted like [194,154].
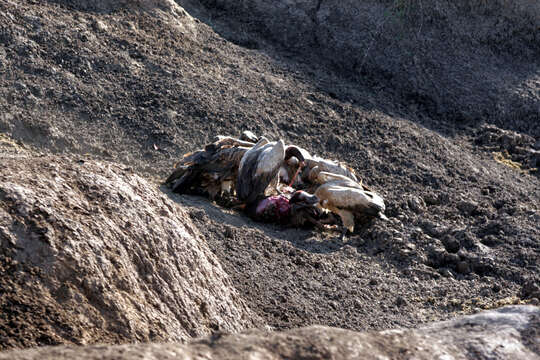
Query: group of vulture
[274,182]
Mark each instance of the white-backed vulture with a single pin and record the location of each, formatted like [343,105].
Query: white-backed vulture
[260,167]
[347,198]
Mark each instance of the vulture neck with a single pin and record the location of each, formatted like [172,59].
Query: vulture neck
[293,151]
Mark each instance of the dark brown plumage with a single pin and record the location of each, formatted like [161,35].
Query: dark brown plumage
[210,171]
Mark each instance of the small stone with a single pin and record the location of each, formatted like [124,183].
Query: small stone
[431,199]
[373,282]
[530,289]
[433,229]
[229,232]
[491,240]
[400,301]
[100,26]
[467,207]
[451,258]
[416,204]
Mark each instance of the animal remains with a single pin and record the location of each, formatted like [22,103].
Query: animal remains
[274,182]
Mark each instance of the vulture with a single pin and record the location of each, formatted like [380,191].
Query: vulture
[348,199]
[260,167]
[312,166]
[325,165]
[210,171]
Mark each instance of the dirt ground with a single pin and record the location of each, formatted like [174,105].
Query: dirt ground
[142,85]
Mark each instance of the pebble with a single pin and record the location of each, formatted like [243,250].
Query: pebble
[100,26]
[416,204]
[451,258]
[400,301]
[431,199]
[467,207]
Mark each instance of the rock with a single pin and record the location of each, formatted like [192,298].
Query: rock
[432,199]
[436,255]
[416,204]
[451,244]
[467,207]
[451,258]
[492,241]
[400,301]
[506,333]
[100,26]
[433,229]
[117,258]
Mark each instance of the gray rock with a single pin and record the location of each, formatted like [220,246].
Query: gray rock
[416,204]
[433,229]
[451,244]
[114,251]
[432,199]
[467,207]
[506,333]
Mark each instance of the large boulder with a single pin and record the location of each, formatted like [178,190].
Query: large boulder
[507,333]
[91,252]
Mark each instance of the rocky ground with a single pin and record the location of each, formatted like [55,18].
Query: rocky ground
[448,135]
[503,333]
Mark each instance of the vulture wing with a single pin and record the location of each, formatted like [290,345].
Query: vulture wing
[328,166]
[323,177]
[259,166]
[205,168]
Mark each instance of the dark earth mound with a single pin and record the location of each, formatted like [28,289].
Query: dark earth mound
[142,84]
[92,253]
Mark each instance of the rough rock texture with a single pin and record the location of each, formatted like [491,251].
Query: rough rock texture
[107,6]
[91,252]
[507,333]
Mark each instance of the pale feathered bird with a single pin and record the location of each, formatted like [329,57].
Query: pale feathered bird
[260,167]
[312,166]
[347,198]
